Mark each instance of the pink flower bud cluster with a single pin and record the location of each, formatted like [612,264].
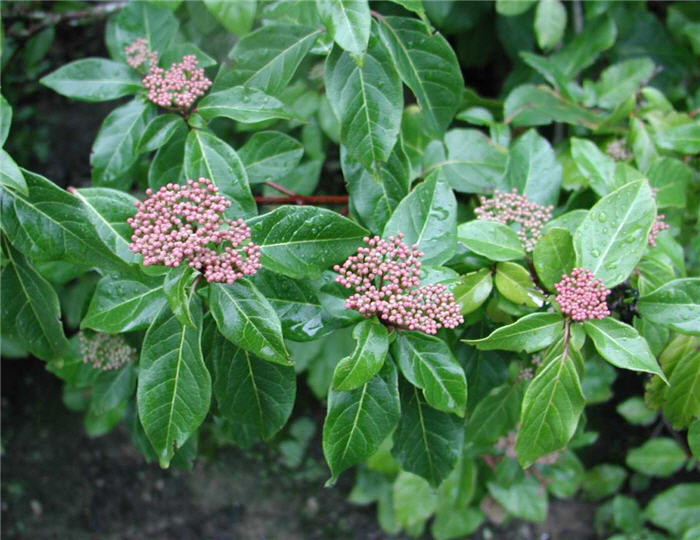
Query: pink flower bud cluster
[386,279]
[658,226]
[105,352]
[618,151]
[180,223]
[139,52]
[179,86]
[511,208]
[582,296]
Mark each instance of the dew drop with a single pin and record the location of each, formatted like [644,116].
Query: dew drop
[602,217]
[595,253]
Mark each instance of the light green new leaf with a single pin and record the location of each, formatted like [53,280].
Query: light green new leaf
[348,22]
[658,457]
[675,304]
[529,333]
[613,236]
[359,420]
[270,155]
[682,403]
[621,345]
[427,362]
[427,217]
[676,509]
[523,499]
[174,388]
[246,318]
[428,65]
[414,500]
[176,286]
[242,104]
[551,408]
[635,411]
[491,239]
[554,256]
[236,17]
[683,138]
[302,242]
[94,79]
[367,99]
[515,283]
[372,345]
[512,8]
[550,23]
[473,289]
[533,169]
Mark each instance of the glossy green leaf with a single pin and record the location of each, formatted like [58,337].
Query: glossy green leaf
[270,155]
[427,363]
[427,217]
[613,236]
[242,104]
[515,283]
[530,105]
[367,99]
[529,333]
[554,256]
[348,22]
[491,239]
[621,345]
[676,509]
[246,318]
[658,457]
[176,286]
[473,289]
[598,35]
[551,408]
[302,242]
[174,388]
[11,175]
[210,157]
[115,148]
[167,166]
[158,132]
[112,388]
[30,308]
[372,344]
[428,65]
[533,169]
[670,177]
[94,79]
[119,305]
[359,420]
[5,119]
[236,17]
[146,20]
[426,441]
[682,403]
[622,80]
[597,167]
[550,23]
[496,414]
[675,304]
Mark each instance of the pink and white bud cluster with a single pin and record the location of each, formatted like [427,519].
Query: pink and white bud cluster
[618,150]
[658,226]
[105,351]
[386,279]
[183,222]
[139,52]
[511,208]
[179,86]
[582,296]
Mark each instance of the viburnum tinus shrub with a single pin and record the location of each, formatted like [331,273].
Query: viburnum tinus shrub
[309,190]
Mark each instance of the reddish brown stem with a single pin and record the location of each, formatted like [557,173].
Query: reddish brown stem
[280,188]
[304,199]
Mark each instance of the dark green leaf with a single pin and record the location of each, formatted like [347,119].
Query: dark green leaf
[372,345]
[597,167]
[530,333]
[176,287]
[495,415]
[554,256]
[622,80]
[167,166]
[236,17]
[602,481]
[270,155]
[530,105]
[5,119]
[598,35]
[147,20]
[491,239]
[242,104]
[675,304]
[112,388]
[158,132]
[348,22]
[11,175]
[533,169]
[94,79]
[683,395]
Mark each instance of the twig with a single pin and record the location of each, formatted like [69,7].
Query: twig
[280,188]
[48,19]
[304,199]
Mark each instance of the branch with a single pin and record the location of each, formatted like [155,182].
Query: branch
[48,19]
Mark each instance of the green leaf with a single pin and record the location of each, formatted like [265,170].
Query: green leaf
[491,239]
[10,174]
[414,500]
[675,304]
[551,408]
[108,209]
[147,20]
[236,17]
[427,442]
[512,8]
[208,156]
[683,394]
[112,388]
[473,289]
[301,242]
[246,318]
[635,411]
[598,35]
[621,345]
[523,499]
[428,66]
[694,438]
[176,287]
[255,396]
[496,414]
[367,100]
[359,420]
[158,132]
[533,169]
[613,236]
[174,388]
[550,23]
[564,477]
[529,333]
[120,305]
[94,79]
[427,362]
[554,256]
[30,308]
[372,345]
[530,105]
[597,167]
[427,217]
[515,284]
[51,224]
[670,177]
[348,22]
[5,120]
[676,509]
[683,138]
[114,149]
[270,155]
[178,50]
[622,80]
[474,163]
[167,166]
[268,58]
[242,104]
[374,197]
[657,457]
[603,480]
